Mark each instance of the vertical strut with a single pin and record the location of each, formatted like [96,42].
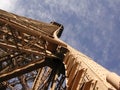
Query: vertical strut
[37,79]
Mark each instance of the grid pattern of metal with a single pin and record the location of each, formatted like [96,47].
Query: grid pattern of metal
[33,58]
[29,55]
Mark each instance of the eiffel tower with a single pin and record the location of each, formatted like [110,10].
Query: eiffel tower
[32,57]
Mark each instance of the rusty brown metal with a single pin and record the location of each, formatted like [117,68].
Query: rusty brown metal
[32,57]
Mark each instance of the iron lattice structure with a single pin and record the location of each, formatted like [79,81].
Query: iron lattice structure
[33,58]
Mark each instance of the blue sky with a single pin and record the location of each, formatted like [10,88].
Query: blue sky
[90,26]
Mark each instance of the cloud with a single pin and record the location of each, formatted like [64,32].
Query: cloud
[7,4]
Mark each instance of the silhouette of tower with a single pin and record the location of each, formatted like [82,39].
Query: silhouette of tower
[32,57]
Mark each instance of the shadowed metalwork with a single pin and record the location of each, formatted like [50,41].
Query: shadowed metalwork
[32,57]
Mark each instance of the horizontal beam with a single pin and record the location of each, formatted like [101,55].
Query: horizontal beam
[22,70]
[30,31]
[4,45]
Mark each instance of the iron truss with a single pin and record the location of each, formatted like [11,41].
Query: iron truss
[30,58]
[33,58]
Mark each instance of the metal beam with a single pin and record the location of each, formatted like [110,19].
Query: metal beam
[22,70]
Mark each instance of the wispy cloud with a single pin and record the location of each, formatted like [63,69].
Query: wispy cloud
[7,4]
